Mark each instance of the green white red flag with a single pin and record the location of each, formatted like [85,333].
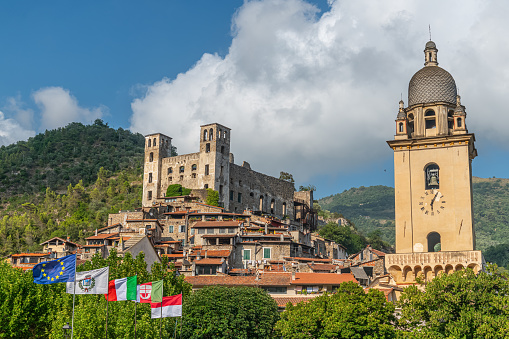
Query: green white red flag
[170,307]
[122,289]
[150,292]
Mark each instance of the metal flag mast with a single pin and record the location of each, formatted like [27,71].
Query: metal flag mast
[161,319]
[107,304]
[74,291]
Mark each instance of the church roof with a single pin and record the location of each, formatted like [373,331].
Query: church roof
[431,84]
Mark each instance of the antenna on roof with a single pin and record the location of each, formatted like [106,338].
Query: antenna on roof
[429,27]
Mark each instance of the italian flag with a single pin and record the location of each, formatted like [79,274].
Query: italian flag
[122,289]
[170,307]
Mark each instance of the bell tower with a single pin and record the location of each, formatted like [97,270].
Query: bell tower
[433,153]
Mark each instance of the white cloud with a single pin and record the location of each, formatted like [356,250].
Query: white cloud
[59,107]
[11,131]
[314,93]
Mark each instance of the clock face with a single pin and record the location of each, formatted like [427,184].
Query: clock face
[432,202]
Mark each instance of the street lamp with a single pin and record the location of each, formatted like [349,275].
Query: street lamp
[67,329]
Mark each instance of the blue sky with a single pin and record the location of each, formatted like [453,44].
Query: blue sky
[311,88]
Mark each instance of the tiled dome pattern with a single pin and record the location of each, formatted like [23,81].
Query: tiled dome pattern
[431,84]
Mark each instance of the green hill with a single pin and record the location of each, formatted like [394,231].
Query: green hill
[372,208]
[63,156]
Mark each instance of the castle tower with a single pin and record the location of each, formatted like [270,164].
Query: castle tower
[433,152]
[215,159]
[157,147]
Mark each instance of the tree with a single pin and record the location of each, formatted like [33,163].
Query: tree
[459,305]
[349,313]
[229,312]
[212,197]
[307,188]
[177,190]
[344,235]
[286,177]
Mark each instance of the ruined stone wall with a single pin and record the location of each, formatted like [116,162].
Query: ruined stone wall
[122,216]
[259,192]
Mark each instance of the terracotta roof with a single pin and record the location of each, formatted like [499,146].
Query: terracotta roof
[379,253]
[102,236]
[70,242]
[217,224]
[218,236]
[212,253]
[29,255]
[99,245]
[322,278]
[322,267]
[175,256]
[170,242]
[111,226]
[283,301]
[308,259]
[266,279]
[208,261]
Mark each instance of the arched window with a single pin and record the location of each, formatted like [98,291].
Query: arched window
[154,143]
[170,170]
[181,169]
[432,176]
[219,132]
[272,206]
[151,157]
[205,135]
[261,203]
[459,122]
[194,167]
[284,208]
[224,134]
[150,177]
[211,134]
[429,116]
[434,242]
[149,142]
[222,149]
[400,127]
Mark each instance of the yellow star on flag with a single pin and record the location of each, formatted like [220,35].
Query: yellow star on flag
[43,265]
[52,279]
[63,267]
[42,270]
[55,277]
[48,278]
[61,273]
[44,274]
[61,263]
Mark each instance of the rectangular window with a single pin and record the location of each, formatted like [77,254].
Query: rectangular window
[210,231]
[220,191]
[170,179]
[246,255]
[149,195]
[193,175]
[231,195]
[207,148]
[201,231]
[182,228]
[231,230]
[222,230]
[170,229]
[239,197]
[150,177]
[181,177]
[266,252]
[206,169]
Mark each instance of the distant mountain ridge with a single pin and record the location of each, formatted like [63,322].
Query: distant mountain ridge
[371,208]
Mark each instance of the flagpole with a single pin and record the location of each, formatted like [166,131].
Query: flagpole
[107,303]
[161,319]
[175,333]
[74,292]
[135,306]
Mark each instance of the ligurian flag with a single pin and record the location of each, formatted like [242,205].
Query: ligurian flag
[151,292]
[122,289]
[170,307]
[55,271]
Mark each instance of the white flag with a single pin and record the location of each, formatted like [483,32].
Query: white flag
[90,282]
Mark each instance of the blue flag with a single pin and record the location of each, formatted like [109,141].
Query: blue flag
[55,271]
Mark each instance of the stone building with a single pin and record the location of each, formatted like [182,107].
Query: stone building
[240,188]
[433,153]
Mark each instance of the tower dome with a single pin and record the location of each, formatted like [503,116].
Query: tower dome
[431,83]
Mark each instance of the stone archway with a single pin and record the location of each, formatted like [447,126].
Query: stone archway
[408,275]
[449,269]
[395,272]
[428,273]
[438,269]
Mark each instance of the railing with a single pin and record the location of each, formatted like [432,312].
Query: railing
[424,258]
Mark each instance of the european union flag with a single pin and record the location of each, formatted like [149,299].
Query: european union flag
[55,271]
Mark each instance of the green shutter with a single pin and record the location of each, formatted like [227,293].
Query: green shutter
[266,253]
[247,255]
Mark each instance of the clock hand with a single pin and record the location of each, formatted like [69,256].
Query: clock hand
[433,201]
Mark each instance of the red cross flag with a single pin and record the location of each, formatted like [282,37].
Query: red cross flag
[150,292]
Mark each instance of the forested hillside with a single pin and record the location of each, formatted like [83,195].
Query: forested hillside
[371,208]
[65,182]
[63,156]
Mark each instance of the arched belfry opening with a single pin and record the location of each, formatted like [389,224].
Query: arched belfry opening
[434,242]
[432,176]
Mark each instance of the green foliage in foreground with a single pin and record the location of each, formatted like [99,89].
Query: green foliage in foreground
[459,305]
[349,313]
[229,312]
[40,311]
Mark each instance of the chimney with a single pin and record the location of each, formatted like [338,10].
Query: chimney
[206,254]
[293,274]
[68,238]
[282,237]
[266,228]
[96,231]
